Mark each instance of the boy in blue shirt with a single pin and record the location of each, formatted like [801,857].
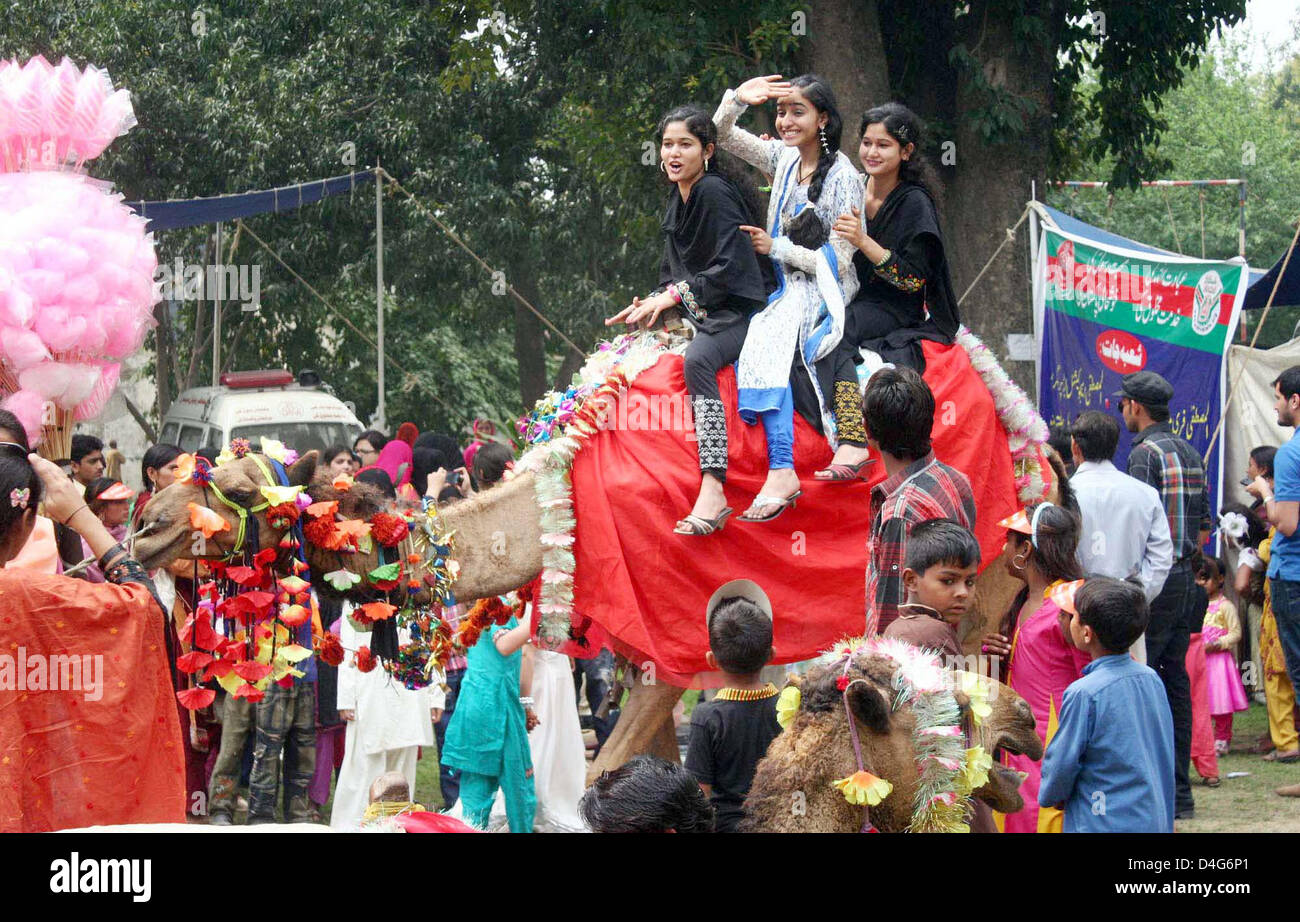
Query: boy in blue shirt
[1110,766]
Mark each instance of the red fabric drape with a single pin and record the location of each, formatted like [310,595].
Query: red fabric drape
[648,587]
[86,757]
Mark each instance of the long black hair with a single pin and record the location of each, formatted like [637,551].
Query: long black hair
[157,457]
[16,473]
[1055,548]
[906,128]
[699,123]
[818,92]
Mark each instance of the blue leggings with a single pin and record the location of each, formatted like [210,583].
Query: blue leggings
[778,423]
[477,792]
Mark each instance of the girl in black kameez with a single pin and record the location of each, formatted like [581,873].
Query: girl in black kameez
[712,274]
[905,293]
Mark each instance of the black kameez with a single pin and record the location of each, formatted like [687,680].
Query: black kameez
[889,314]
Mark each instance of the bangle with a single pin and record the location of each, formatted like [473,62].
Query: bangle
[1267,499]
[74,512]
[526,700]
[672,291]
[884,259]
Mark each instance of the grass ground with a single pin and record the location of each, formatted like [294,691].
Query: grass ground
[1246,804]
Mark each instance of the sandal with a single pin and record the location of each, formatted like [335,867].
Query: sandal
[842,473]
[1211,782]
[781,502]
[1277,756]
[698,526]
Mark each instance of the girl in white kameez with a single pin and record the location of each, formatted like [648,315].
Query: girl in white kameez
[804,318]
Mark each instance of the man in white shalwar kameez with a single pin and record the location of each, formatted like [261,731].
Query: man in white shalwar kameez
[387,724]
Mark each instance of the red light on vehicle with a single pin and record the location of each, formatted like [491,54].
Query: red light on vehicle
[271,377]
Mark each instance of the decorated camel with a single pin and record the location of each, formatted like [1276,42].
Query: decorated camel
[879,735]
[610,467]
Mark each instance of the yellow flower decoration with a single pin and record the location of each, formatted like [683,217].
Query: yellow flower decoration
[864,788]
[975,770]
[787,706]
[278,496]
[975,687]
[274,449]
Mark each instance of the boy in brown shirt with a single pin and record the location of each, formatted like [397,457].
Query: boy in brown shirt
[939,576]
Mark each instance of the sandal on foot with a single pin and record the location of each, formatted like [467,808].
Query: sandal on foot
[699,526]
[781,502]
[1285,758]
[842,473]
[1211,782]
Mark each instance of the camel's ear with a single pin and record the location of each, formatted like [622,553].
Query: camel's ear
[304,469]
[869,706]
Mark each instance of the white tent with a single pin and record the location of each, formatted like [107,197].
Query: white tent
[1250,420]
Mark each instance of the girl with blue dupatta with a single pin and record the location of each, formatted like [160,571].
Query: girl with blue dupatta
[487,738]
[803,321]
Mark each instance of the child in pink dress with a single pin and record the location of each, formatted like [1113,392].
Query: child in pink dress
[1040,661]
[1221,633]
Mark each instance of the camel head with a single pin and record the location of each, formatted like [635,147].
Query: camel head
[1010,728]
[166,533]
[816,749]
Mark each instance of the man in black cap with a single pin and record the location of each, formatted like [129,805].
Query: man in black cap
[1175,469]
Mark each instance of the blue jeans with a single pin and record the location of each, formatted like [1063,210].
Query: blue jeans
[448,778]
[599,671]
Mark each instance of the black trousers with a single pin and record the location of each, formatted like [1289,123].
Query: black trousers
[1168,633]
[708,354]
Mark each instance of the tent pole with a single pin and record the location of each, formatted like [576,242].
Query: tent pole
[216,314]
[380,410]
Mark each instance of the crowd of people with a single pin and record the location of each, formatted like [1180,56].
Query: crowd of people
[1121,639]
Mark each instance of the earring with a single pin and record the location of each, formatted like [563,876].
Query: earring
[821,133]
[663,169]
[706,164]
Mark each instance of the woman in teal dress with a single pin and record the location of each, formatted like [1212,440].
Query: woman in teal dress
[487,738]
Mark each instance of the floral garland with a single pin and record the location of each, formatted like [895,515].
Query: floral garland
[557,428]
[259,610]
[948,770]
[1026,431]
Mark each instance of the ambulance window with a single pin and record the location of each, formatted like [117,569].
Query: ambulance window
[169,434]
[191,438]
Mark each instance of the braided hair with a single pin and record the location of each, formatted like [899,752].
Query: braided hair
[818,92]
[699,123]
[906,128]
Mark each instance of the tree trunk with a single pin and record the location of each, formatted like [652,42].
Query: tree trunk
[162,335]
[844,47]
[991,184]
[530,347]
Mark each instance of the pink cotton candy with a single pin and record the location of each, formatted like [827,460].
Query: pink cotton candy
[93,405]
[21,349]
[29,407]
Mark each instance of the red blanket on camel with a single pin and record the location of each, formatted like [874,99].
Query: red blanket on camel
[647,587]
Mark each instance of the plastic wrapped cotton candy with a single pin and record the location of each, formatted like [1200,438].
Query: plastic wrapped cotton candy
[76,265]
[54,118]
[29,407]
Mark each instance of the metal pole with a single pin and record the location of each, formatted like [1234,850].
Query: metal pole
[1241,220]
[216,314]
[380,412]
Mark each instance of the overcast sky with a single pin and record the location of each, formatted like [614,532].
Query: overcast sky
[1270,25]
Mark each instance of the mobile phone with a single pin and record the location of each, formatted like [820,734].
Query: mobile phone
[453,478]
[1245,481]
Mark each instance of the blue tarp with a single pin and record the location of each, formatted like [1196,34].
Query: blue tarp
[196,211]
[1287,293]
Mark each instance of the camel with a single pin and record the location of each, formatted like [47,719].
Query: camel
[792,789]
[166,534]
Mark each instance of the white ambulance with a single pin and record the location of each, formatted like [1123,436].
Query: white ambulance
[302,413]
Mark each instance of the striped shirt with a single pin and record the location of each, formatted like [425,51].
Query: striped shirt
[1175,469]
[925,489]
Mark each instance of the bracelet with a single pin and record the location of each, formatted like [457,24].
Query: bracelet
[526,700]
[884,259]
[674,293]
[73,513]
[1267,499]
